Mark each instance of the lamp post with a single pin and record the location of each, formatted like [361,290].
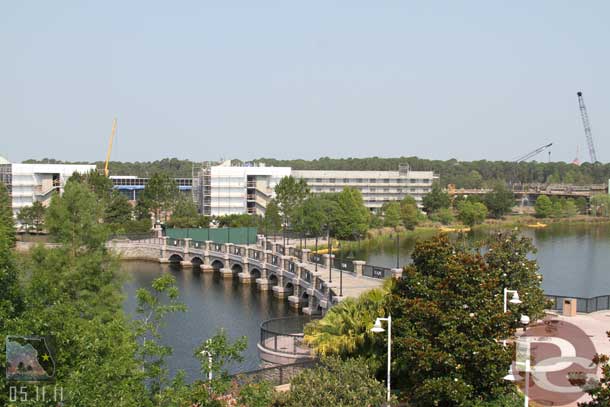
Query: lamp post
[330,256]
[340,270]
[397,250]
[512,375]
[377,328]
[209,355]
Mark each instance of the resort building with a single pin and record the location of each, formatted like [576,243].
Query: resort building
[131,186]
[29,183]
[225,189]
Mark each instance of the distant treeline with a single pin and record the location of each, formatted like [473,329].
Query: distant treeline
[464,174]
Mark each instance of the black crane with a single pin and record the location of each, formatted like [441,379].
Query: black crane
[587,126]
[533,153]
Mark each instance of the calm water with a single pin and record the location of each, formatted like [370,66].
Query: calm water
[212,303]
[574,260]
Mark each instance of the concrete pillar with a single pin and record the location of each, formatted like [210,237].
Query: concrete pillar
[280,292]
[206,267]
[187,245]
[397,273]
[305,255]
[164,257]
[158,230]
[328,258]
[208,245]
[359,267]
[262,284]
[226,271]
[245,277]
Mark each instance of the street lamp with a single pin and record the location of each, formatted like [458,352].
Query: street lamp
[397,250]
[209,355]
[513,376]
[514,300]
[377,328]
[340,270]
[330,256]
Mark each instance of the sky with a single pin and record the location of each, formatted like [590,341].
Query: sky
[206,80]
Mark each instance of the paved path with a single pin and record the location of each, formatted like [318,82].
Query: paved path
[352,286]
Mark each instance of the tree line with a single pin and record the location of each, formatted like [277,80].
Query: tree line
[463,174]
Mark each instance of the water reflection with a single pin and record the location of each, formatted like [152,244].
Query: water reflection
[212,302]
[574,259]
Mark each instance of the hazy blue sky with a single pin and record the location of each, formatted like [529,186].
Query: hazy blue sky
[286,79]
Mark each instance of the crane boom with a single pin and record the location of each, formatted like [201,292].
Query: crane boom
[587,125]
[112,134]
[533,153]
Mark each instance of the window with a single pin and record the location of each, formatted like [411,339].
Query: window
[386,180]
[331,189]
[346,180]
[371,189]
[318,180]
[386,190]
[413,181]
[331,180]
[373,180]
[359,180]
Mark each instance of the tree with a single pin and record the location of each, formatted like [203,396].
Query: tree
[391,214]
[599,390]
[471,213]
[500,201]
[74,218]
[289,194]
[340,383]
[7,225]
[600,205]
[448,319]
[443,215]
[436,199]
[159,195]
[543,206]
[581,204]
[569,208]
[409,212]
[352,216]
[118,210]
[153,306]
[272,221]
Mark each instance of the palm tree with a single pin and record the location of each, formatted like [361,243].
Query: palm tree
[345,329]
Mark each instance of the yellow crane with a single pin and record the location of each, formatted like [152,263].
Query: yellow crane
[112,134]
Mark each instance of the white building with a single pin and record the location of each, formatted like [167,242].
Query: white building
[225,189]
[28,183]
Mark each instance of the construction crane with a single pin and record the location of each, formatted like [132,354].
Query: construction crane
[587,125]
[112,134]
[533,153]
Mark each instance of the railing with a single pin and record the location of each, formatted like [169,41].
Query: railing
[280,249]
[376,272]
[298,253]
[175,242]
[586,305]
[285,335]
[133,236]
[306,275]
[238,250]
[292,267]
[342,264]
[255,254]
[217,247]
[275,375]
[198,244]
[316,258]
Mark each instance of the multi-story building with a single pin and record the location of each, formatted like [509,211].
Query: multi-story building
[377,187]
[28,183]
[226,189]
[131,186]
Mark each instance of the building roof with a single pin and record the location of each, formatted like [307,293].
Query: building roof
[4,160]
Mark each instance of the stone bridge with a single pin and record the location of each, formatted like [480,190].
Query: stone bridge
[287,271]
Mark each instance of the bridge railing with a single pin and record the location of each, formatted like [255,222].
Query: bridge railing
[198,244]
[342,264]
[238,250]
[586,305]
[292,267]
[217,247]
[275,375]
[175,242]
[316,258]
[376,272]
[256,254]
[285,335]
[306,275]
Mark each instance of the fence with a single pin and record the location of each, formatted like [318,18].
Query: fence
[376,272]
[342,264]
[285,335]
[316,258]
[587,305]
[275,375]
[220,235]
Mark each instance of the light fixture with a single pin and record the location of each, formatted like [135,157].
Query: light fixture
[377,327]
[525,319]
[515,299]
[512,376]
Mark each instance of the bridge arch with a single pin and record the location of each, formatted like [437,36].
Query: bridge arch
[289,288]
[237,268]
[175,258]
[197,261]
[217,265]
[273,280]
[256,273]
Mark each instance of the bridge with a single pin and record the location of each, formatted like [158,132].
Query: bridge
[311,282]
